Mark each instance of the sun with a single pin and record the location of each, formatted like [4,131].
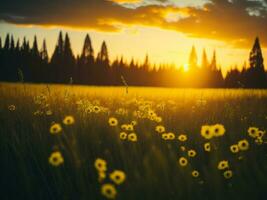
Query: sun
[186,67]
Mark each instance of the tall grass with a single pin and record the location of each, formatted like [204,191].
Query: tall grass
[150,164]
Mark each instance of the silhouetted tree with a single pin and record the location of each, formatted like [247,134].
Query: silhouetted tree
[102,66]
[193,58]
[68,60]
[57,60]
[7,42]
[12,43]
[43,52]
[213,64]
[86,62]
[255,77]
[205,62]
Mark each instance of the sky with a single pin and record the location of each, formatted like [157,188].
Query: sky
[163,29]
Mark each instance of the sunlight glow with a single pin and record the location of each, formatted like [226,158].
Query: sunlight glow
[186,67]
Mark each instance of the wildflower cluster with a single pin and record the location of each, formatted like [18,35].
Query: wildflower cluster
[145,111]
[127,131]
[116,177]
[256,134]
[224,166]
[43,107]
[87,107]
[210,131]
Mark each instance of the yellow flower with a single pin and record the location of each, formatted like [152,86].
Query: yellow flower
[158,119]
[101,176]
[109,191]
[113,121]
[182,148]
[56,159]
[129,127]
[124,127]
[134,123]
[228,174]
[259,141]
[206,132]
[160,129]
[132,137]
[100,165]
[68,120]
[234,148]
[88,110]
[55,128]
[96,109]
[182,137]
[117,177]
[123,135]
[183,161]
[195,173]
[223,165]
[165,136]
[243,145]
[11,107]
[217,130]
[253,132]
[192,153]
[207,147]
[151,113]
[171,136]
[260,134]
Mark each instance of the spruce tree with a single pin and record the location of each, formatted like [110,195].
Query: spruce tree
[213,64]
[34,50]
[205,61]
[7,42]
[193,58]
[69,59]
[87,55]
[12,43]
[256,77]
[43,53]
[255,56]
[103,54]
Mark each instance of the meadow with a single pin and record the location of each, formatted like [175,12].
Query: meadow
[77,142]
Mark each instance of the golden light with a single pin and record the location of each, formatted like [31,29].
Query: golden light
[186,67]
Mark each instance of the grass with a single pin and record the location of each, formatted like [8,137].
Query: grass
[150,164]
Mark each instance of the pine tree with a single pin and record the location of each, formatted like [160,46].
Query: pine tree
[87,55]
[24,44]
[18,45]
[12,43]
[43,53]
[69,59]
[58,52]
[205,61]
[256,77]
[255,56]
[57,61]
[146,64]
[34,50]
[193,58]
[213,64]
[103,54]
[7,42]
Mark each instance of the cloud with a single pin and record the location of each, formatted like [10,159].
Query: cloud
[236,22]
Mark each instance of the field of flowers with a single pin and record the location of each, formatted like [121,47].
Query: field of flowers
[74,142]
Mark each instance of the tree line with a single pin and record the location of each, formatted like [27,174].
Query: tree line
[20,60]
